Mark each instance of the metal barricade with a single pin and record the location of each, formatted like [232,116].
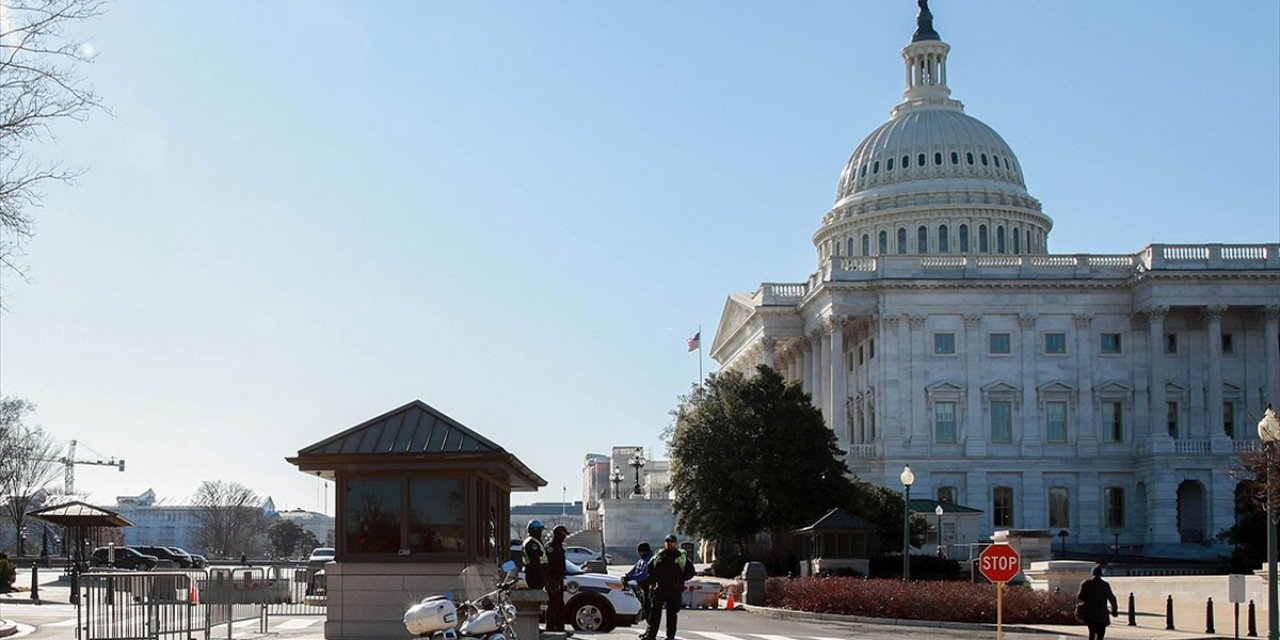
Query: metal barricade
[136,605]
[296,590]
[233,594]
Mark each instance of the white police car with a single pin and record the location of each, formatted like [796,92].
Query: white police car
[596,601]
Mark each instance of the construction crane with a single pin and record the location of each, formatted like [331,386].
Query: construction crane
[69,463]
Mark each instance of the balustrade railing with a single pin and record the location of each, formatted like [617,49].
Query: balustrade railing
[1191,446]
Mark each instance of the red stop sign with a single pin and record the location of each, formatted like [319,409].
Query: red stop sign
[999,563]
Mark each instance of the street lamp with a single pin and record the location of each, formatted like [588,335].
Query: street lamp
[1269,433]
[908,479]
[637,461]
[938,512]
[616,479]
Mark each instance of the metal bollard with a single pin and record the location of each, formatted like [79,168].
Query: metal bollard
[35,582]
[1253,620]
[1208,616]
[1168,614]
[1133,615]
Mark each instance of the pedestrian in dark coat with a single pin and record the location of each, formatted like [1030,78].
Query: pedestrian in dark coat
[1096,594]
[667,574]
[555,579]
[638,578]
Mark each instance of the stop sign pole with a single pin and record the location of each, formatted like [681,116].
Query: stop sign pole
[999,563]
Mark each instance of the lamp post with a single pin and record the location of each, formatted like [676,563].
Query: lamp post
[616,479]
[1269,433]
[637,462]
[1063,535]
[938,512]
[908,479]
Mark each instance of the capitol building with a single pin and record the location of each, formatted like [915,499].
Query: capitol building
[1106,396]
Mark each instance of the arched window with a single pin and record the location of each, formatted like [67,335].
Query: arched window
[1017,244]
[1000,239]
[875,168]
[968,157]
[983,244]
[944,245]
[864,171]
[884,243]
[937,157]
[902,239]
[888,165]
[920,160]
[983,157]
[955,158]
[1029,249]
[849,247]
[866,244]
[922,240]
[964,238]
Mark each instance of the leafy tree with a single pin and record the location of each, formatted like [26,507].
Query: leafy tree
[752,455]
[28,462]
[1248,535]
[39,86]
[287,539]
[230,520]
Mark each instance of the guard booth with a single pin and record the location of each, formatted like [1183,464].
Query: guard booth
[419,497]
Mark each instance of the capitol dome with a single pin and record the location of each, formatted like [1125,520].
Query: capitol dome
[932,179]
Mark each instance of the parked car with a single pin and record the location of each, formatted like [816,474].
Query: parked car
[183,561]
[596,601]
[125,558]
[182,553]
[321,555]
[582,555]
[198,561]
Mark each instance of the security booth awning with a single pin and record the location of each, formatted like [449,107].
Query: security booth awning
[838,534]
[415,485]
[81,522]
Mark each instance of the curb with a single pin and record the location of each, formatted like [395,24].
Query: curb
[7,628]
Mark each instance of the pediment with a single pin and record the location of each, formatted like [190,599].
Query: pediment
[1000,387]
[1055,386]
[738,310]
[1112,388]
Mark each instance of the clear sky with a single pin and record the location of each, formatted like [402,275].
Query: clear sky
[302,214]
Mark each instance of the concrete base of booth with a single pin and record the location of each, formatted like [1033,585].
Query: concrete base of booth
[367,600]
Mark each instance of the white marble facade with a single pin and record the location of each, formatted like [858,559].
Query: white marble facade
[1103,395]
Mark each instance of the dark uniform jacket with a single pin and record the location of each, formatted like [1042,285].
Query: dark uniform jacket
[1096,594]
[669,569]
[535,563]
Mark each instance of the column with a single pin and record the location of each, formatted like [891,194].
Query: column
[815,368]
[1271,331]
[1159,409]
[1213,413]
[1087,442]
[769,344]
[824,393]
[886,378]
[975,440]
[914,367]
[802,362]
[839,383]
[1032,423]
[1162,493]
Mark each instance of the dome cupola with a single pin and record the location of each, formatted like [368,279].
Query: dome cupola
[931,180]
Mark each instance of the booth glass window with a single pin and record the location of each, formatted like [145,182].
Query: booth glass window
[437,515]
[373,516]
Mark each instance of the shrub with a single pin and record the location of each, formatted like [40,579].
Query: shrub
[728,566]
[8,573]
[895,599]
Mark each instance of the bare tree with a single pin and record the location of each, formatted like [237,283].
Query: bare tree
[230,520]
[28,463]
[39,85]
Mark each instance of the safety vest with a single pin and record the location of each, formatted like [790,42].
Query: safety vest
[542,549]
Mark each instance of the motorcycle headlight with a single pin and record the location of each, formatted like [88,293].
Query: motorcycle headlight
[511,610]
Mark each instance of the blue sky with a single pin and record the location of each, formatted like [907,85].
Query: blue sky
[303,214]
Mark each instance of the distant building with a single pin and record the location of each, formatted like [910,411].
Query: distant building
[569,514]
[157,523]
[319,524]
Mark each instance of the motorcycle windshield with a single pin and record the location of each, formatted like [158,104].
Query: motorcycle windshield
[477,580]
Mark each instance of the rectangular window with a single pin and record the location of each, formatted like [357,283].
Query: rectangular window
[1171,414]
[861,355]
[944,421]
[1001,421]
[1059,508]
[1113,502]
[947,495]
[1229,419]
[1171,343]
[999,344]
[1113,421]
[871,349]
[944,343]
[437,516]
[1055,414]
[1111,343]
[1055,343]
[1002,507]
[373,516]
[1228,345]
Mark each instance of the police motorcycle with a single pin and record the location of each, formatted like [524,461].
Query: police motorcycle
[483,613]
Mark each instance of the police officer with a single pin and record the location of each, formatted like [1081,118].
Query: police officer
[638,577]
[534,556]
[667,573]
[555,579]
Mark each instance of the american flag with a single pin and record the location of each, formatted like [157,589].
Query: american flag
[695,342]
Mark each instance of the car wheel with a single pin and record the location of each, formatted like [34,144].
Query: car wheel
[147,566]
[591,613]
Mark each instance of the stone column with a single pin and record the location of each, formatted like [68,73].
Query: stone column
[886,377]
[804,355]
[975,439]
[1087,430]
[1162,494]
[839,383]
[1159,409]
[769,344]
[1271,328]
[1213,413]
[824,370]
[1032,422]
[916,412]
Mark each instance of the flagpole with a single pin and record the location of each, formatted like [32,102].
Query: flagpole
[699,355]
